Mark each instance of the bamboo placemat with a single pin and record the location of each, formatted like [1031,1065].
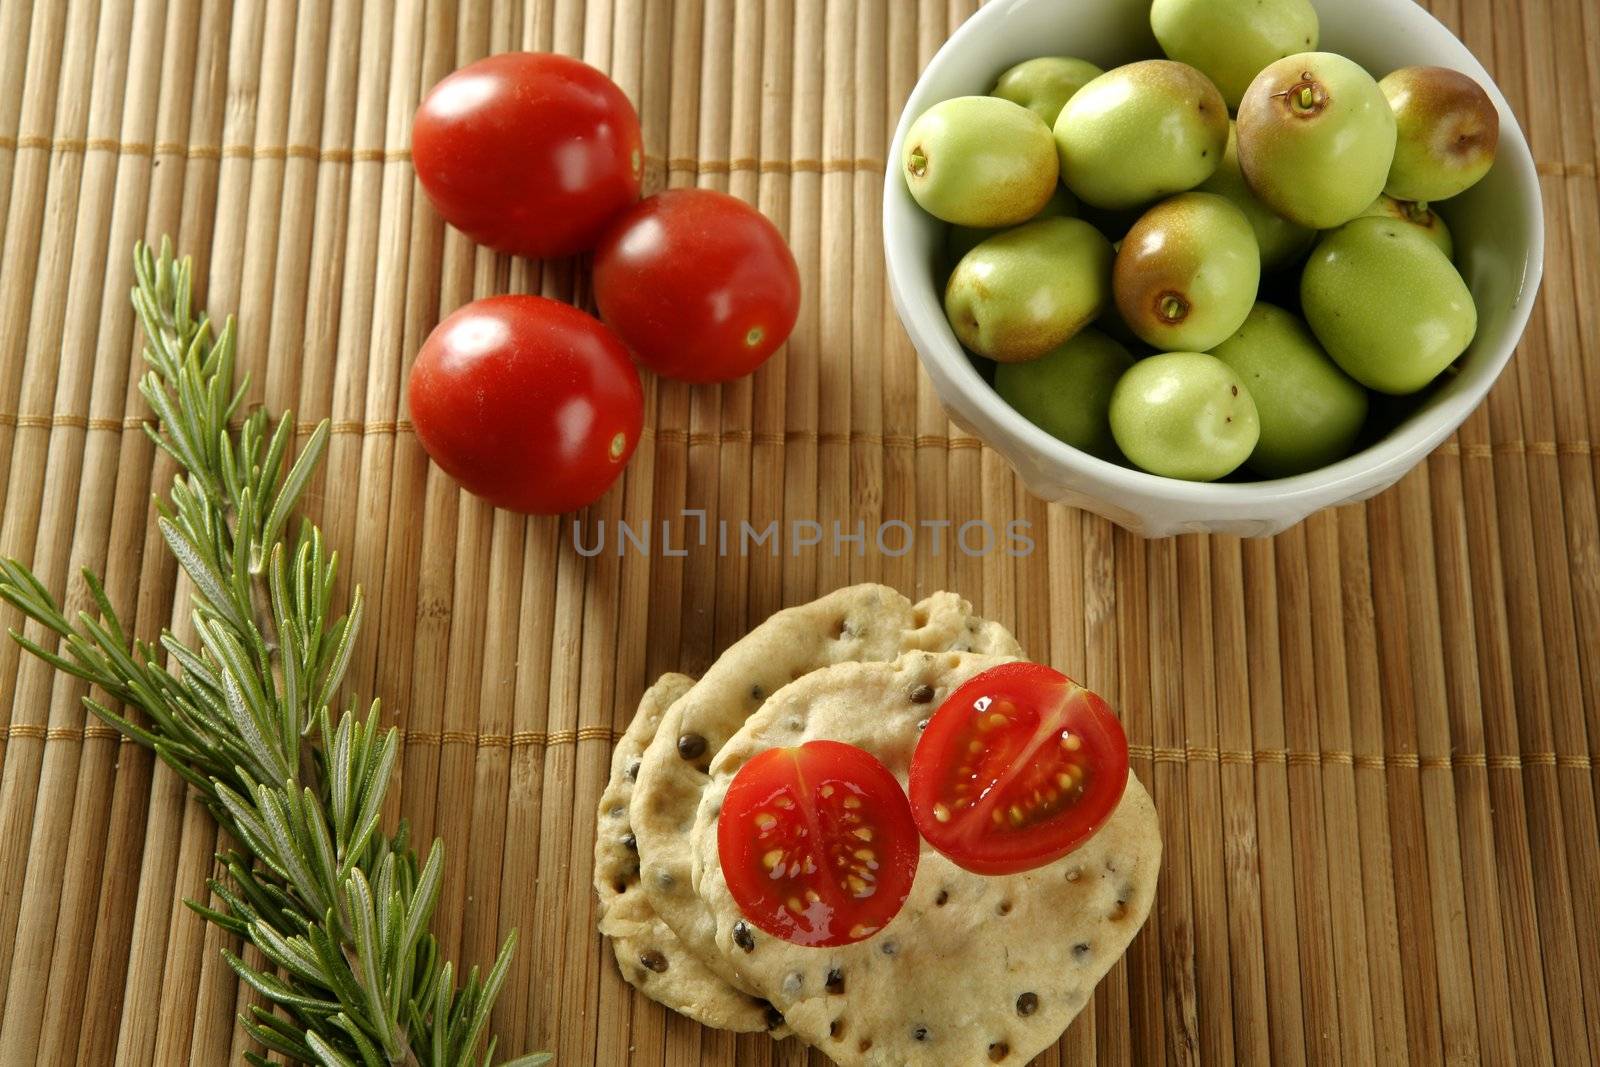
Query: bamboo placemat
[1372,740]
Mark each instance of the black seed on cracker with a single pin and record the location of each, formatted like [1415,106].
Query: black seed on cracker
[922,725]
[919,1033]
[836,1029]
[889,948]
[998,1051]
[743,937]
[1080,950]
[653,960]
[1004,908]
[922,694]
[774,1017]
[633,771]
[757,693]
[1027,1004]
[835,981]
[691,746]
[942,899]
[630,842]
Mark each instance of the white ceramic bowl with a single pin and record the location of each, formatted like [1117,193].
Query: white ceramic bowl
[1498,227]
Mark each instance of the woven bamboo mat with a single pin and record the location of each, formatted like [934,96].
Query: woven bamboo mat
[1372,740]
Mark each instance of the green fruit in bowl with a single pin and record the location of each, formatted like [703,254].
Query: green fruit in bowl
[1141,132]
[1184,415]
[1044,85]
[1311,411]
[980,161]
[1067,392]
[1449,132]
[1187,273]
[1230,41]
[1281,242]
[1388,306]
[963,239]
[1025,291]
[1421,216]
[1316,137]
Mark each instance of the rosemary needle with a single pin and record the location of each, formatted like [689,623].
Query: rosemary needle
[337,906]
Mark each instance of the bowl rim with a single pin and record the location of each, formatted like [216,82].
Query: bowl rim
[1380,463]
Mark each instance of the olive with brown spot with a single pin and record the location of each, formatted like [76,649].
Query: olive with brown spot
[1188,273]
[1448,134]
[1021,293]
[1316,138]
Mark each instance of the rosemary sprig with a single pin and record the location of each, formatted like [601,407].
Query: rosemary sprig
[338,907]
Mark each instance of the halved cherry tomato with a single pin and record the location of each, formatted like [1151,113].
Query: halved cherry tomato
[698,283]
[817,843]
[1018,767]
[528,152]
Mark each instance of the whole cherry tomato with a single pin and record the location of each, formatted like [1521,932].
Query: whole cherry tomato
[528,152]
[529,403]
[817,844]
[698,283]
[1018,767]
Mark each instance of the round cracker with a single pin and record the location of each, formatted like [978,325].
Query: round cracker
[649,954]
[862,623]
[974,969]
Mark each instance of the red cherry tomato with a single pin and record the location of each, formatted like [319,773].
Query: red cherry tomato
[817,843]
[698,283]
[1018,767]
[528,152]
[529,403]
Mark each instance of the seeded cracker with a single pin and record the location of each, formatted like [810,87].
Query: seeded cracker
[855,624]
[649,955]
[974,969]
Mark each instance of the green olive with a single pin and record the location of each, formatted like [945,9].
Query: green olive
[1387,305]
[980,161]
[1184,415]
[1067,392]
[1141,132]
[1310,410]
[1023,292]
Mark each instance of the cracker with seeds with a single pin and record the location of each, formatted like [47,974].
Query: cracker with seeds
[974,969]
[649,954]
[863,623]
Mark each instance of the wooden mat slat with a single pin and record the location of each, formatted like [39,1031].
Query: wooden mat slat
[1372,741]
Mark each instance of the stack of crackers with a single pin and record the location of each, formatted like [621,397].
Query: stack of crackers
[973,970]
